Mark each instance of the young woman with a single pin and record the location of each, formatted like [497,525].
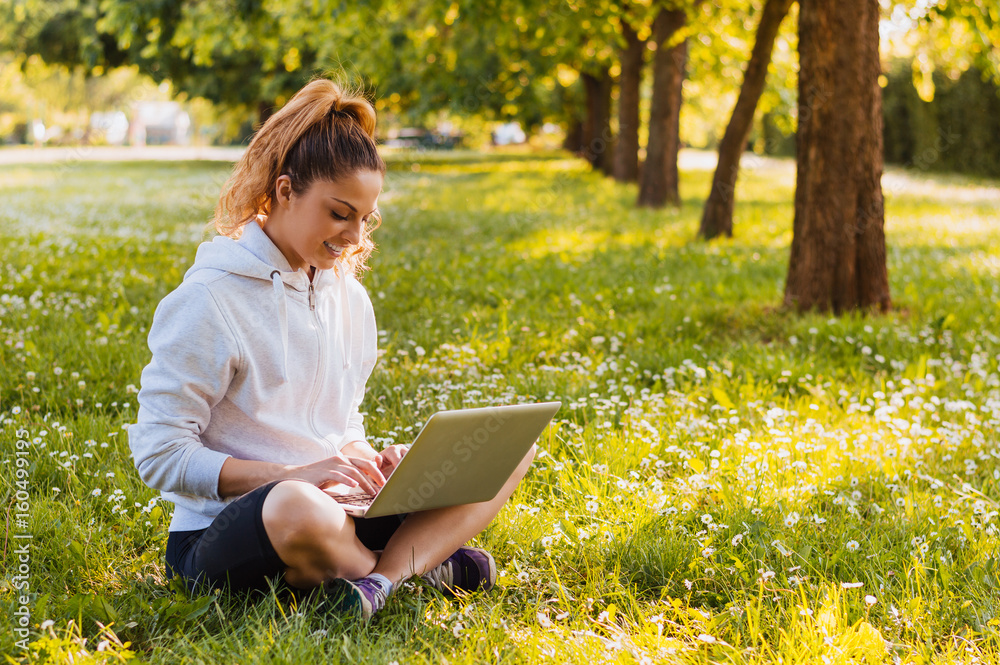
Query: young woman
[249,409]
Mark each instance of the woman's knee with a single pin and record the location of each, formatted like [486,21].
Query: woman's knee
[312,534]
[296,510]
[522,468]
[528,459]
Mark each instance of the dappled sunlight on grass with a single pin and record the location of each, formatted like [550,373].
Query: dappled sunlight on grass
[918,187]
[545,242]
[942,226]
[980,262]
[566,243]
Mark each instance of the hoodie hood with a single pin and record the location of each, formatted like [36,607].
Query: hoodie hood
[255,255]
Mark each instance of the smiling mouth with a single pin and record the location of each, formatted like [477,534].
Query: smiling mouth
[334,250]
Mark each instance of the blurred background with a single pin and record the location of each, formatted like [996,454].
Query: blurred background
[446,75]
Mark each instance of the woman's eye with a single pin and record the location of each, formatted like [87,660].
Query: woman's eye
[336,216]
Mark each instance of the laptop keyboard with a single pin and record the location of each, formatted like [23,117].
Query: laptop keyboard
[355,499]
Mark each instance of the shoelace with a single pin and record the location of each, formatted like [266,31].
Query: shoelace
[377,595]
[440,577]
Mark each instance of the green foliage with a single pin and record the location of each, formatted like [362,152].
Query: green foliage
[959,130]
[722,477]
[447,59]
[237,54]
[506,60]
[719,50]
[979,23]
[60,31]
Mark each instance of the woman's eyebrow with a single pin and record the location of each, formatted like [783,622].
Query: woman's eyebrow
[353,209]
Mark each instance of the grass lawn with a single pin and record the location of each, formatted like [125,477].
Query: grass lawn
[726,481]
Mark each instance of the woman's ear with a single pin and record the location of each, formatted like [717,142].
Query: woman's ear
[283,191]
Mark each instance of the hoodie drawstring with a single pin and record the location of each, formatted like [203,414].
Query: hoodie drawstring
[345,307]
[279,294]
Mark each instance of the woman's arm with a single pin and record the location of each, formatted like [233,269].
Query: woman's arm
[195,356]
[359,449]
[239,476]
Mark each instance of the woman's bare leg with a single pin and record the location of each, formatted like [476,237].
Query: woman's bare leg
[313,535]
[427,538]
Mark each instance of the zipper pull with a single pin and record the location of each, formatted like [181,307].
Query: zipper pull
[312,298]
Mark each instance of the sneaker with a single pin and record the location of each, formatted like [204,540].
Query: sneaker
[468,569]
[363,596]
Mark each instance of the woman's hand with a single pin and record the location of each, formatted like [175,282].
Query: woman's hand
[389,458]
[350,471]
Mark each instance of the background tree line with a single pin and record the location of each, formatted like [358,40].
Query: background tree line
[588,65]
[611,72]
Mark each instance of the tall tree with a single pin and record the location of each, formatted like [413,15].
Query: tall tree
[630,55]
[659,183]
[717,217]
[580,37]
[838,257]
[597,137]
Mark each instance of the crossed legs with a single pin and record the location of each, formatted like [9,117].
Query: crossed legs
[315,537]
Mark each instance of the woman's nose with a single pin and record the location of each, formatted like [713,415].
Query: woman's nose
[353,232]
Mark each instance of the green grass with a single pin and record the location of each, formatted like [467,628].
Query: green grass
[721,478]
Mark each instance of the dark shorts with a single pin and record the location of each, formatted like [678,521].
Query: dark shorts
[235,547]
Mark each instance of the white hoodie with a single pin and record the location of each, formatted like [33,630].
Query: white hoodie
[250,360]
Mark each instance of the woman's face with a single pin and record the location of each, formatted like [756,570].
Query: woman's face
[315,227]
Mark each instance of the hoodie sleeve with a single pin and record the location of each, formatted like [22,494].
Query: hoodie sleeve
[195,355]
[355,427]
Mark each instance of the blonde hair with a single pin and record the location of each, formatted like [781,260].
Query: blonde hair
[322,133]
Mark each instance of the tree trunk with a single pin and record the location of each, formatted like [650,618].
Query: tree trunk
[265,110]
[604,144]
[659,183]
[597,127]
[838,243]
[626,165]
[573,141]
[717,218]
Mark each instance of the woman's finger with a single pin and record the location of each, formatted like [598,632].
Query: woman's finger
[369,468]
[359,479]
[343,479]
[335,477]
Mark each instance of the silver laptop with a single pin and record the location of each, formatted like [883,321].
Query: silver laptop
[459,457]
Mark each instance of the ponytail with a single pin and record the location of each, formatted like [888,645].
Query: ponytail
[322,133]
